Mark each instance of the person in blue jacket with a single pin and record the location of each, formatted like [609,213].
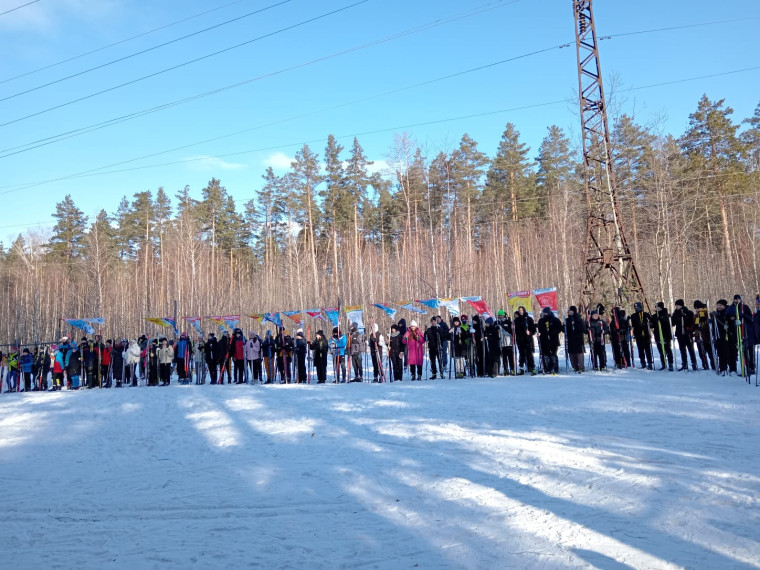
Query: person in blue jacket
[338,350]
[27,361]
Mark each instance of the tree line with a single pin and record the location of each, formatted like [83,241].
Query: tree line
[437,223]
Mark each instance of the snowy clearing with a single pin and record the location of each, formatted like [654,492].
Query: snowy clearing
[629,469]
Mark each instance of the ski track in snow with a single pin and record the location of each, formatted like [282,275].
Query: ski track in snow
[628,469]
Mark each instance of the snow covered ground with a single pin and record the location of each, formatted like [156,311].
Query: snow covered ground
[628,469]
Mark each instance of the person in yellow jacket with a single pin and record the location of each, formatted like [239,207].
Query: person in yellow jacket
[165,358]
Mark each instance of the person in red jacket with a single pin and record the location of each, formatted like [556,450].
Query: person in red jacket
[237,353]
[105,363]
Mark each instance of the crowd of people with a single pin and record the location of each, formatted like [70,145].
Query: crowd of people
[722,340]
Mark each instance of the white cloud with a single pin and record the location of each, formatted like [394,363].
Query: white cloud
[278,161]
[206,163]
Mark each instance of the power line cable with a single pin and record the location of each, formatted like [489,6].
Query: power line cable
[97,126]
[99,171]
[116,120]
[125,40]
[147,50]
[19,7]
[186,63]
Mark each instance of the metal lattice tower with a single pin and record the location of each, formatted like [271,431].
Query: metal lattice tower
[610,274]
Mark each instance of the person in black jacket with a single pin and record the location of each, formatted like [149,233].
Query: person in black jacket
[663,334]
[433,340]
[396,350]
[445,335]
[492,348]
[525,330]
[702,335]
[211,354]
[223,358]
[300,349]
[268,355]
[683,320]
[640,324]
[321,351]
[575,329]
[724,324]
[548,328]
[619,335]
[598,328]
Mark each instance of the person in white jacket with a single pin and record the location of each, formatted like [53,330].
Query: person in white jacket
[133,359]
[376,351]
[253,358]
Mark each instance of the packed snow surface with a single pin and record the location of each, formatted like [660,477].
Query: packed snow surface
[627,469]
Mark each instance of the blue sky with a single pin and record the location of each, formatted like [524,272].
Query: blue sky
[371,92]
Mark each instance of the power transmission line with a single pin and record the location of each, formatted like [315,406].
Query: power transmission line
[189,62]
[116,120]
[97,171]
[125,40]
[19,7]
[4,153]
[147,50]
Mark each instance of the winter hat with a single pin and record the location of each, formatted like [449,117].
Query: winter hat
[737,297]
[501,313]
[299,331]
[489,321]
[464,318]
[573,308]
[638,307]
[225,333]
[679,303]
[335,330]
[54,347]
[375,328]
[269,334]
[251,333]
[698,304]
[660,305]
[212,334]
[722,302]
[320,332]
[594,313]
[546,310]
[455,320]
[64,339]
[413,324]
[394,327]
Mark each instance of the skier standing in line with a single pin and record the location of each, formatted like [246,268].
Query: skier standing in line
[641,332]
[575,329]
[725,338]
[598,329]
[395,350]
[548,329]
[212,356]
[683,319]
[505,342]
[433,340]
[663,335]
[493,349]
[415,344]
[445,335]
[321,351]
[338,349]
[525,330]
[300,351]
[702,334]
[357,351]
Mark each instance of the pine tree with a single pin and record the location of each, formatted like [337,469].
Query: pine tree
[68,237]
[751,139]
[510,182]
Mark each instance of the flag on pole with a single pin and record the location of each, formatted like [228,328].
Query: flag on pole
[231,321]
[452,306]
[97,321]
[387,309]
[432,303]
[258,317]
[355,315]
[294,316]
[196,322]
[547,298]
[80,324]
[315,313]
[163,322]
[410,307]
[273,318]
[333,314]
[479,305]
[519,299]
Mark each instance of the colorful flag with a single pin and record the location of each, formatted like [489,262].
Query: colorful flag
[81,324]
[479,305]
[258,317]
[98,321]
[294,316]
[452,306]
[333,314]
[387,309]
[315,313]
[355,315]
[432,303]
[519,299]
[196,322]
[165,322]
[231,321]
[547,298]
[410,307]
[273,318]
